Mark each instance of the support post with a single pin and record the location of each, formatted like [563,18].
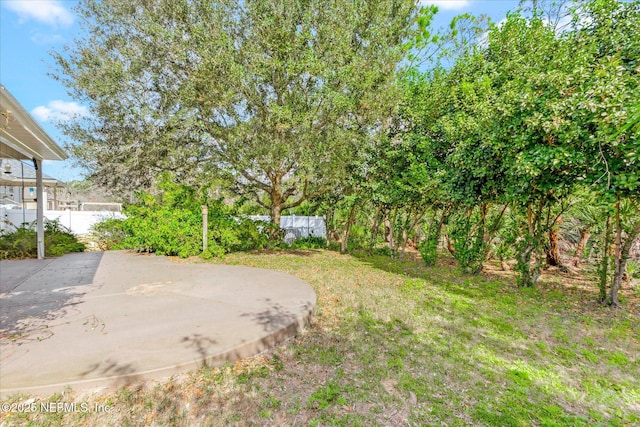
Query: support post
[205,226]
[39,208]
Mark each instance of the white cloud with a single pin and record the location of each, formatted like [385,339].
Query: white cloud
[46,39]
[50,12]
[59,110]
[447,4]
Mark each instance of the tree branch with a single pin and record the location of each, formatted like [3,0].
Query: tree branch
[256,181]
[305,197]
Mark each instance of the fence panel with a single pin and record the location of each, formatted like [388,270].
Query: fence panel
[79,222]
[297,227]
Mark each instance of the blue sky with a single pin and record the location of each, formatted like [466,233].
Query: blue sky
[31,29]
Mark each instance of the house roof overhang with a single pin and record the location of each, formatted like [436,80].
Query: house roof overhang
[30,182]
[21,137]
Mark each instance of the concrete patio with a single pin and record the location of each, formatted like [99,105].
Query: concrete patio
[100,319]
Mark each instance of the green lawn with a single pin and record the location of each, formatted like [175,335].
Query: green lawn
[397,343]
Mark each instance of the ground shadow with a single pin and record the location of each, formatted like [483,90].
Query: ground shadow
[201,344]
[297,252]
[122,373]
[276,316]
[37,294]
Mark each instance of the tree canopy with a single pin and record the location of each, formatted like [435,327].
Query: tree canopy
[276,96]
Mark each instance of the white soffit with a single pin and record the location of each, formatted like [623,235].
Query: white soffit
[21,137]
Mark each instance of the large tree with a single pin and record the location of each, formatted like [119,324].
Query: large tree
[492,134]
[605,106]
[275,95]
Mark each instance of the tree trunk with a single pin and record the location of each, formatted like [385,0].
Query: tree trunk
[276,211]
[537,268]
[528,272]
[603,269]
[429,248]
[621,256]
[490,232]
[450,247]
[618,260]
[375,228]
[410,225]
[344,241]
[403,242]
[525,279]
[404,235]
[618,272]
[328,218]
[346,231]
[389,225]
[552,252]
[480,244]
[277,200]
[483,233]
[585,233]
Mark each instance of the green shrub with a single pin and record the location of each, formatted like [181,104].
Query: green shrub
[172,225]
[468,242]
[633,269]
[383,251]
[273,231]
[311,242]
[22,243]
[108,233]
[334,246]
[429,250]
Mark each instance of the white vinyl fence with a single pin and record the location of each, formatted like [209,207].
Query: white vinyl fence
[296,227]
[79,222]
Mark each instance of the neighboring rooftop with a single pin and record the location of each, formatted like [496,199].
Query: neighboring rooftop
[13,172]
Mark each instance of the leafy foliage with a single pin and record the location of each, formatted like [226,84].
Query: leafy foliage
[525,119]
[310,242]
[250,91]
[108,233]
[22,243]
[171,224]
[468,242]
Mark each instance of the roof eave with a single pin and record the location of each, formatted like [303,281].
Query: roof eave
[39,144]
